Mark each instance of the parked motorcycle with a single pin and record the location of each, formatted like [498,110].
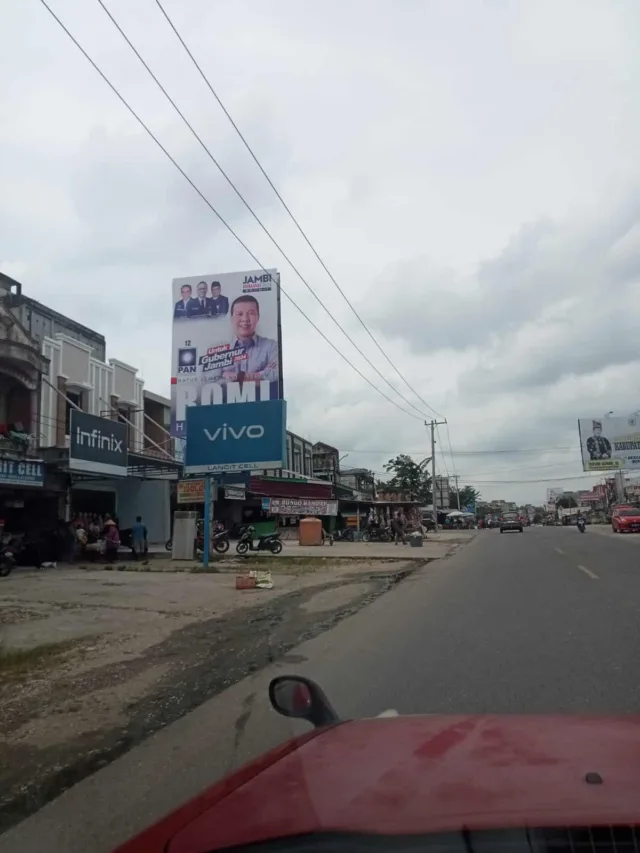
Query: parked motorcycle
[219,542]
[345,535]
[377,534]
[270,542]
[7,562]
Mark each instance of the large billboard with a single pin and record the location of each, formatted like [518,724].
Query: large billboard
[236,437]
[226,341]
[609,444]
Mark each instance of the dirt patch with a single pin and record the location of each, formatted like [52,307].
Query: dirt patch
[19,664]
[337,596]
[74,718]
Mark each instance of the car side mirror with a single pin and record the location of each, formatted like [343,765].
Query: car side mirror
[295,696]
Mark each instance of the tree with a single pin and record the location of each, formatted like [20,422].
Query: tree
[468,497]
[566,502]
[410,477]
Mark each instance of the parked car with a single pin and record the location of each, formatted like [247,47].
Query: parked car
[625,519]
[511,521]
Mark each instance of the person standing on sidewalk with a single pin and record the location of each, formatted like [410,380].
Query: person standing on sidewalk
[398,528]
[112,540]
[139,538]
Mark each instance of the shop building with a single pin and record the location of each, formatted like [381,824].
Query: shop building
[112,391]
[22,472]
[50,368]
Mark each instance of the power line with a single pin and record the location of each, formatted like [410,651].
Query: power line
[249,208]
[212,208]
[464,452]
[288,210]
[545,480]
[515,468]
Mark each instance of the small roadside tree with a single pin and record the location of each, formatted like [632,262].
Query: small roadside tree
[409,476]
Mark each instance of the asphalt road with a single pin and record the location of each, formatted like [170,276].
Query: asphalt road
[543,621]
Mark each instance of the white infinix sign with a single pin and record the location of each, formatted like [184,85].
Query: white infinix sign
[97,445]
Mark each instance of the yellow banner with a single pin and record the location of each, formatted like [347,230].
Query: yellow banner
[190,491]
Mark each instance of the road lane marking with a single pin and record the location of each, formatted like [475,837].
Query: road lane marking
[592,575]
[559,550]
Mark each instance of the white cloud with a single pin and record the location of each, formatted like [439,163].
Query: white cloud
[466,169]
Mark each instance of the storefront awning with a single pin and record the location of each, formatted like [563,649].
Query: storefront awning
[139,465]
[281,487]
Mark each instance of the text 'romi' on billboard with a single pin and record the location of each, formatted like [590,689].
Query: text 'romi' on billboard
[226,341]
[610,444]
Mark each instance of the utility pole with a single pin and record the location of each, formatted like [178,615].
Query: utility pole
[456,477]
[433,426]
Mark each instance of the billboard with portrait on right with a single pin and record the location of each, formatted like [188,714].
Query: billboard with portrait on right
[226,343]
[610,444]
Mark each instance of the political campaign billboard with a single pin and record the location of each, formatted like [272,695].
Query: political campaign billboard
[226,343]
[610,444]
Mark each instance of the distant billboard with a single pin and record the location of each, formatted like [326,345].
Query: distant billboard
[226,345]
[554,495]
[442,492]
[609,444]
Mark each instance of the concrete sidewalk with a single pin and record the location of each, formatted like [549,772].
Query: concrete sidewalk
[436,545]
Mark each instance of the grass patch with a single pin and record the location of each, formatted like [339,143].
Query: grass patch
[18,663]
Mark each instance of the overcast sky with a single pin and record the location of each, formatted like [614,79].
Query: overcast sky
[467,170]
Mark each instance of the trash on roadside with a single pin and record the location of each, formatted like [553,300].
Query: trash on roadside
[245,582]
[262,579]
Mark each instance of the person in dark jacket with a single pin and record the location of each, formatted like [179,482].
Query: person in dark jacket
[598,446]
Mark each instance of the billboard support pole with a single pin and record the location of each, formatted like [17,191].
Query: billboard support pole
[206,543]
[433,426]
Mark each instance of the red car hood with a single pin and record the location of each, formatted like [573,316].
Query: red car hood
[420,774]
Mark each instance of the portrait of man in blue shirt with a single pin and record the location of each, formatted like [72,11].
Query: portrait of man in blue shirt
[259,355]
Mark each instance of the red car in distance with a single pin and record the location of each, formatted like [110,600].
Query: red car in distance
[625,519]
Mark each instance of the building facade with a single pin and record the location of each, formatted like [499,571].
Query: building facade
[51,366]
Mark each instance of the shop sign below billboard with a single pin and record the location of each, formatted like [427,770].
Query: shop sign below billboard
[22,472]
[190,492]
[302,506]
[235,437]
[97,445]
[235,493]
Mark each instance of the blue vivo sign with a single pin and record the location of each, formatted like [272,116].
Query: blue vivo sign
[236,437]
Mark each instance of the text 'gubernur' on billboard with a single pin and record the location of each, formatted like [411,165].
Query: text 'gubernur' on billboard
[226,341]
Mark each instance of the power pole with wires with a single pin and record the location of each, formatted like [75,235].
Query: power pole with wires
[433,426]
[456,477]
